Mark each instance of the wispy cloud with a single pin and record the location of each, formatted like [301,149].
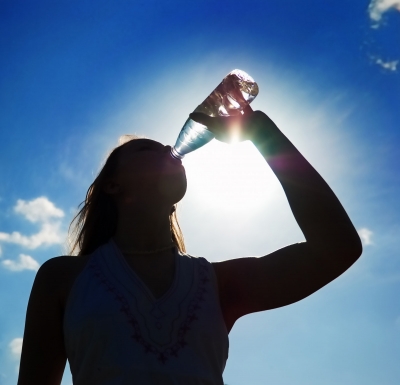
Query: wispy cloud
[47,215]
[366,236]
[389,65]
[377,8]
[15,347]
[24,262]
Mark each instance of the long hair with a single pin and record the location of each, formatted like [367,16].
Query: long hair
[96,221]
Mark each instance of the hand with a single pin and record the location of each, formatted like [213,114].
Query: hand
[234,128]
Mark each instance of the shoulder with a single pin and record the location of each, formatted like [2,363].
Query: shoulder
[59,267]
[57,275]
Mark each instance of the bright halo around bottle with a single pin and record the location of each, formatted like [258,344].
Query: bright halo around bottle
[235,134]
[229,177]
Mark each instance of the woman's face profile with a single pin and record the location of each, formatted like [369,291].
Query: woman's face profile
[147,171]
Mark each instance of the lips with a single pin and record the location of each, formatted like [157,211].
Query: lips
[170,159]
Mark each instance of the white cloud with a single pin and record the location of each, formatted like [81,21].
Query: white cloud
[38,210]
[390,65]
[378,7]
[366,236]
[44,212]
[16,347]
[49,234]
[24,262]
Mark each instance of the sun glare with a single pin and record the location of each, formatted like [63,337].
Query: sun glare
[230,177]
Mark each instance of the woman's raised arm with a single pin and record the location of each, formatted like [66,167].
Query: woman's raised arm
[43,356]
[290,274]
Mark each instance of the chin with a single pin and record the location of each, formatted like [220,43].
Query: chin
[173,187]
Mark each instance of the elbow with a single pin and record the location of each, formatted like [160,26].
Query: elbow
[353,254]
[346,249]
[346,243]
[355,246]
[359,247]
[351,249]
[351,244]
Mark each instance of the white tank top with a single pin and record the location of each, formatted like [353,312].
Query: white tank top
[116,332]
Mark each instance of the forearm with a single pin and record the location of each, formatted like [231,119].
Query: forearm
[315,207]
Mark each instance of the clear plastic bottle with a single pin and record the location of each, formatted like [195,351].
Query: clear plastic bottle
[233,94]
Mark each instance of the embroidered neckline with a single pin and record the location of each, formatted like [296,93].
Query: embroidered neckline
[162,355]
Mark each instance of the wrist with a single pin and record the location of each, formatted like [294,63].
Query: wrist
[267,137]
[261,127]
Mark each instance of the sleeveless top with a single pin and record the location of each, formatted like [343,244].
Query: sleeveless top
[116,332]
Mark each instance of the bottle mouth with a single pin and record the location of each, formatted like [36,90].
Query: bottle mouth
[175,154]
[242,75]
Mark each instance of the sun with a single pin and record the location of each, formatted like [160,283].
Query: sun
[230,177]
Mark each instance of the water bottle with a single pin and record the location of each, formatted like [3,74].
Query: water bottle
[233,94]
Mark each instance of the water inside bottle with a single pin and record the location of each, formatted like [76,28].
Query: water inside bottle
[232,95]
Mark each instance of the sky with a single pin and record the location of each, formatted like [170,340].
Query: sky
[75,75]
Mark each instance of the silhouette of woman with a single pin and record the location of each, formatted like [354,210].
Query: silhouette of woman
[134,308]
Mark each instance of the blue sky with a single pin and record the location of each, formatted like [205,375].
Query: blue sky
[77,75]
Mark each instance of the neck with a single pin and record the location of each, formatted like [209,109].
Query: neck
[143,229]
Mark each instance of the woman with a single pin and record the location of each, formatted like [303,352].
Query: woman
[134,308]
